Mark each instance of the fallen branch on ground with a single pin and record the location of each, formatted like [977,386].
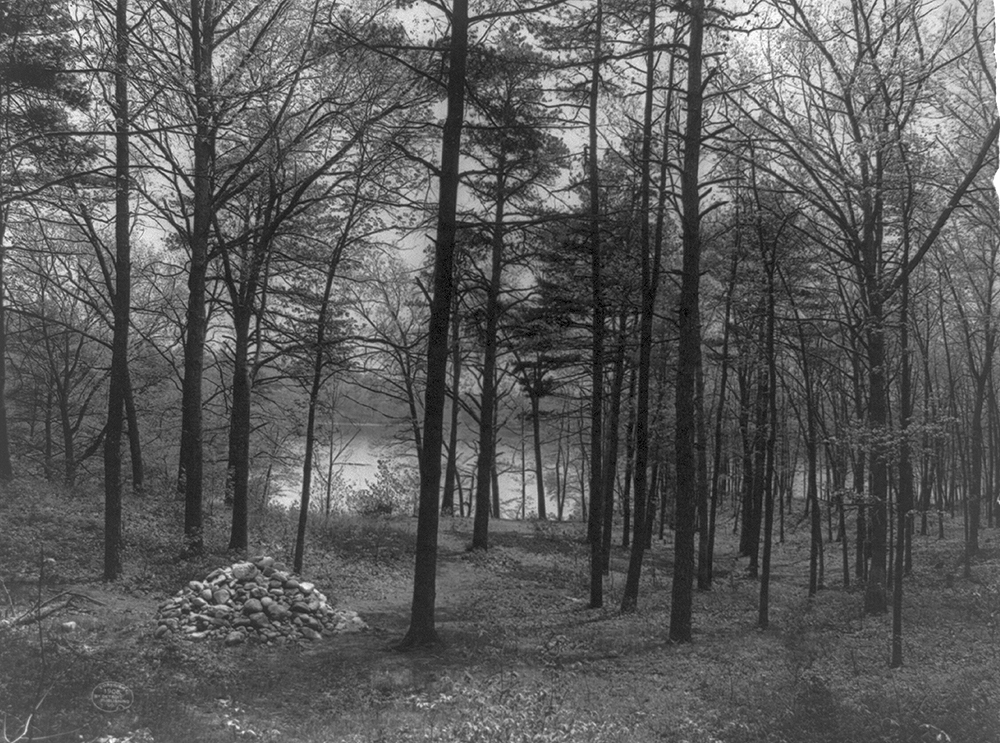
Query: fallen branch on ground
[47,608]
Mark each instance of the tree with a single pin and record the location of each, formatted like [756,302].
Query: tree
[358,200]
[422,630]
[121,302]
[515,155]
[39,92]
[296,146]
[650,278]
[840,92]
[689,333]
[202,27]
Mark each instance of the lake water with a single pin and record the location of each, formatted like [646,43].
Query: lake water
[358,449]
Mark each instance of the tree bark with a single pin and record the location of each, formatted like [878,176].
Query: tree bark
[720,410]
[422,630]
[238,468]
[451,468]
[119,381]
[487,409]
[595,518]
[610,466]
[689,337]
[536,432]
[875,591]
[134,441]
[191,454]
[649,278]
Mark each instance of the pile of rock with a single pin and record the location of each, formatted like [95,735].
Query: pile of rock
[259,600]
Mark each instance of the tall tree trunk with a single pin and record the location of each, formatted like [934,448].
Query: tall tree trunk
[610,466]
[720,410]
[689,337]
[536,432]
[701,450]
[595,520]
[770,393]
[748,535]
[316,386]
[119,378]
[629,460]
[422,630]
[134,441]
[191,454]
[875,591]
[812,467]
[861,546]
[63,393]
[487,409]
[451,468]
[758,485]
[649,278]
[904,500]
[238,469]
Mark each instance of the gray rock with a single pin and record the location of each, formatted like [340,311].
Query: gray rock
[260,620]
[313,622]
[306,587]
[221,596]
[244,571]
[277,612]
[310,634]
[235,638]
[161,632]
[253,606]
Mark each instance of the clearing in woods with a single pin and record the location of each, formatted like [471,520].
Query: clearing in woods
[523,658]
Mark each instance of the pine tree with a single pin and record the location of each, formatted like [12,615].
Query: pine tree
[38,147]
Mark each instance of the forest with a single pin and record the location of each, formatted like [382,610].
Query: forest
[685,272]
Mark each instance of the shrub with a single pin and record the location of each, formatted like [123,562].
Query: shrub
[392,491]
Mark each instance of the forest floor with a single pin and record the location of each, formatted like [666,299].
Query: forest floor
[522,659]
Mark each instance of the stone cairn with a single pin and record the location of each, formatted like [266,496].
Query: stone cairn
[258,600]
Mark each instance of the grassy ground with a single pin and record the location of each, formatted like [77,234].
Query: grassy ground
[523,658]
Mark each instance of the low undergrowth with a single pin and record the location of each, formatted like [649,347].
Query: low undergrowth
[522,656]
